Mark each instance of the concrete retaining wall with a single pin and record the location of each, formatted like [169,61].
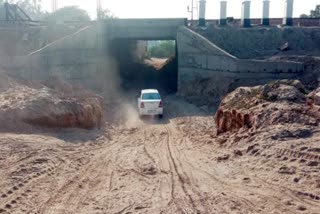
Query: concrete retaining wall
[263,42]
[82,58]
[74,58]
[199,59]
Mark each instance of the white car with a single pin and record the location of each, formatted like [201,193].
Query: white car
[150,103]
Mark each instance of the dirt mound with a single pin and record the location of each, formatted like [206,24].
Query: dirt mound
[279,102]
[56,103]
[81,113]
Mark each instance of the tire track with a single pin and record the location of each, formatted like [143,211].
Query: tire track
[182,181]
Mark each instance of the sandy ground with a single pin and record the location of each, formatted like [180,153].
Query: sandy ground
[157,63]
[173,165]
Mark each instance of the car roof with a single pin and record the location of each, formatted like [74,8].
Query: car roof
[144,91]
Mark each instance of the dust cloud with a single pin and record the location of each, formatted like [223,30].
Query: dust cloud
[120,103]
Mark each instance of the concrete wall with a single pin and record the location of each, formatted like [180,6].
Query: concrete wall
[143,29]
[301,22]
[199,59]
[75,58]
[19,40]
[263,42]
[82,58]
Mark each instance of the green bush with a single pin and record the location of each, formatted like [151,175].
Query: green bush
[163,49]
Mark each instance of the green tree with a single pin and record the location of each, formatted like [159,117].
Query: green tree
[2,12]
[68,14]
[163,49]
[31,7]
[315,13]
[105,14]
[304,16]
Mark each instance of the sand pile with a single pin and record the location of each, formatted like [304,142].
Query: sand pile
[24,104]
[279,102]
[273,132]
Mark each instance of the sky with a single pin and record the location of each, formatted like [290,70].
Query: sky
[178,8]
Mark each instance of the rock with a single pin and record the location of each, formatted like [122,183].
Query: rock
[313,163]
[314,97]
[317,150]
[290,93]
[284,47]
[296,180]
[223,158]
[150,170]
[221,141]
[251,148]
[301,208]
[281,90]
[266,89]
[254,151]
[282,134]
[300,133]
[237,153]
[287,170]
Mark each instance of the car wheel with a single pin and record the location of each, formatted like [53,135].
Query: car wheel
[160,116]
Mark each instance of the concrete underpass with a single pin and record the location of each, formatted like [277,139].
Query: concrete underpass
[135,74]
[95,54]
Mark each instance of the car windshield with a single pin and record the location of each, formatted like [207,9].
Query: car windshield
[151,96]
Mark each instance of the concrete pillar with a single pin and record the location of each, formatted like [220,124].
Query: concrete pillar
[223,12]
[288,13]
[245,15]
[265,12]
[202,13]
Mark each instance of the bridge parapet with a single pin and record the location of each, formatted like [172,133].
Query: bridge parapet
[143,29]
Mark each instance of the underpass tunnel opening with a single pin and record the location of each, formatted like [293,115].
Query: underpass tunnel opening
[146,64]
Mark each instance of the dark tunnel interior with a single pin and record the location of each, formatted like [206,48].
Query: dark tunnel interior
[136,75]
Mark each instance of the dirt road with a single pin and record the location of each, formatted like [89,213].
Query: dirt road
[150,166]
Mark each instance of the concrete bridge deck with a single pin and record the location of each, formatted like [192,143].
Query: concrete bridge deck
[143,29]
